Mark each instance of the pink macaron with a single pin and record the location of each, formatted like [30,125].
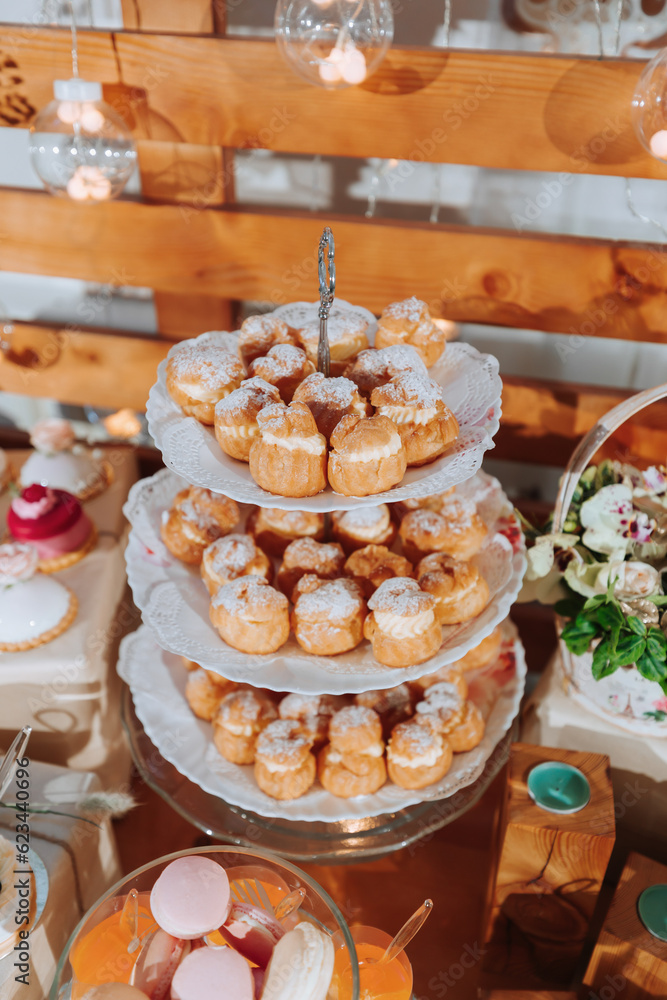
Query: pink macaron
[160,956]
[254,933]
[191,897]
[213,973]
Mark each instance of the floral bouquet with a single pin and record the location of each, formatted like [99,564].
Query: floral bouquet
[606,574]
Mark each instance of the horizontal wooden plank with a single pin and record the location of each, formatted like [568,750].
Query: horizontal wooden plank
[542,421]
[191,17]
[580,287]
[512,111]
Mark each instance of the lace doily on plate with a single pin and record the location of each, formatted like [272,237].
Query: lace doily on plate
[471,387]
[175,603]
[157,682]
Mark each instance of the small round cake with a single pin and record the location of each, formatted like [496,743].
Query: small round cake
[34,609]
[53,522]
[59,462]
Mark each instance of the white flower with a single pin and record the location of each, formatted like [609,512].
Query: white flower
[634,579]
[543,554]
[582,577]
[612,524]
[546,562]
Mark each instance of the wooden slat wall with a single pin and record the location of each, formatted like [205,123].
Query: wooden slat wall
[517,112]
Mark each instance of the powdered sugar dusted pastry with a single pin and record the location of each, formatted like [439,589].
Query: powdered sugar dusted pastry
[290,456]
[442,708]
[468,733]
[329,619]
[402,626]
[415,404]
[305,555]
[409,322]
[353,762]
[403,507]
[483,654]
[362,526]
[313,713]
[347,336]
[198,375]
[204,692]
[250,616]
[197,518]
[259,334]
[367,458]
[374,564]
[273,529]
[417,756]
[241,718]
[284,764]
[34,609]
[450,674]
[235,416]
[231,557]
[373,368]
[285,367]
[330,399]
[457,531]
[459,588]
[393,705]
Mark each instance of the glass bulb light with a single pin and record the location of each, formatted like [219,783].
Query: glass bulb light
[649,107]
[80,147]
[334,43]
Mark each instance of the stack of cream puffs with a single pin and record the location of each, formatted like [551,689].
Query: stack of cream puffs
[358,431]
[281,576]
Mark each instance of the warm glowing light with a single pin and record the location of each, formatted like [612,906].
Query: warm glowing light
[348,64]
[88,184]
[658,144]
[82,112]
[122,424]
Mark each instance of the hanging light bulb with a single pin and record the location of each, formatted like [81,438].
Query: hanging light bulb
[334,43]
[79,146]
[650,107]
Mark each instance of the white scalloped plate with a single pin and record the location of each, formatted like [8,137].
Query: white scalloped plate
[157,682]
[175,603]
[471,387]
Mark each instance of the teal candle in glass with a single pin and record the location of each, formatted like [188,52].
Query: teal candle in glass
[558,787]
[652,907]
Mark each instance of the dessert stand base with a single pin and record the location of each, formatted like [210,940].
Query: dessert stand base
[300,841]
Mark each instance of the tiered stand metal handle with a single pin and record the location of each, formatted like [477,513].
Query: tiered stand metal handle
[327,292]
[596,437]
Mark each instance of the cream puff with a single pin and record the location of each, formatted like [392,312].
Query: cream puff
[199,375]
[204,692]
[285,367]
[347,336]
[331,399]
[457,531]
[426,425]
[289,458]
[442,708]
[469,731]
[451,674]
[373,565]
[313,713]
[250,616]
[353,762]
[197,518]
[305,555]
[240,719]
[235,416]
[409,322]
[393,705]
[355,529]
[231,557]
[374,368]
[368,456]
[259,334]
[417,756]
[459,588]
[329,619]
[402,626]
[284,765]
[484,653]
[273,529]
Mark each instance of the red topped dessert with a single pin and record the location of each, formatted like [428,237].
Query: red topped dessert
[54,523]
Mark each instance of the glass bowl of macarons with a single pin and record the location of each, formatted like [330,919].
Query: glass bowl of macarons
[213,923]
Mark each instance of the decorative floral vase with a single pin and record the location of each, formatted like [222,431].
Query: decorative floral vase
[625,698]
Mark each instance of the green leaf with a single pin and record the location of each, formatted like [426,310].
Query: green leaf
[569,607]
[602,663]
[656,644]
[628,650]
[635,625]
[595,602]
[610,616]
[658,599]
[651,668]
[578,637]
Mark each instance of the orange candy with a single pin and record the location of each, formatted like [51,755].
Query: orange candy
[390,981]
[102,956]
